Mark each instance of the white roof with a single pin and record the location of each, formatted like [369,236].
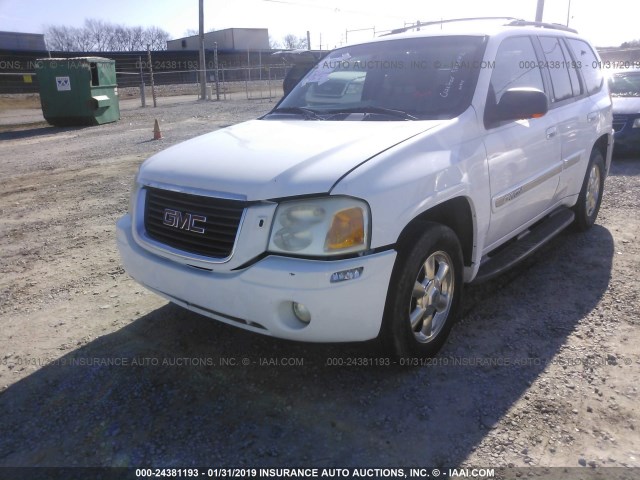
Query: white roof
[478,27]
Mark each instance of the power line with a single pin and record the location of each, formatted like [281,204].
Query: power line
[333,8]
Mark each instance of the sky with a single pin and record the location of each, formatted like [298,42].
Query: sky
[331,23]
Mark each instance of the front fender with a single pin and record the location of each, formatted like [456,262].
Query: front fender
[406,182]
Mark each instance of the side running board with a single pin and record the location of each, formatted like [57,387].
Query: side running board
[524,246]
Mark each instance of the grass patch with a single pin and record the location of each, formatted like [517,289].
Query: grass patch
[19,100]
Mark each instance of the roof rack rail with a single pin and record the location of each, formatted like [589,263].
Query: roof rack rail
[419,24]
[513,22]
[553,26]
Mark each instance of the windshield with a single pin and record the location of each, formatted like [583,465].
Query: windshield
[416,78]
[626,84]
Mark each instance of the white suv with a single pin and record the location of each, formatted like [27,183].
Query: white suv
[394,172]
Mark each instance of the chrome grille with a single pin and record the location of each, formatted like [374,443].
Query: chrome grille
[217,225]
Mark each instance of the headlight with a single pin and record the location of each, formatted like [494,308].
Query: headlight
[320,226]
[636,123]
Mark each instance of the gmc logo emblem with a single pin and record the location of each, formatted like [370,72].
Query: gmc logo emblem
[183,221]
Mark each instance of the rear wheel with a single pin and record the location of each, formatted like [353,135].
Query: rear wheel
[590,197]
[424,293]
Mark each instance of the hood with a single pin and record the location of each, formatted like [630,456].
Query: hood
[266,159]
[626,105]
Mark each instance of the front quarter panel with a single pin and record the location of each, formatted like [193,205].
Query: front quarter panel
[427,170]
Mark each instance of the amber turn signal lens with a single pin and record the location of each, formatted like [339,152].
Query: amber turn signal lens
[347,230]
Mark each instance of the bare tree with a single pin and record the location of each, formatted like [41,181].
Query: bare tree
[61,38]
[155,38]
[99,33]
[120,39]
[136,39]
[273,43]
[100,36]
[631,44]
[82,41]
[290,41]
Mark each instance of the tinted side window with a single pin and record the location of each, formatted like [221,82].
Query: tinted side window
[588,64]
[573,75]
[516,66]
[557,66]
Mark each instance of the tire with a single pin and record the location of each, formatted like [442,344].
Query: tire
[424,292]
[590,198]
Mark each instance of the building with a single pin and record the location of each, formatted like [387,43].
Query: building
[22,41]
[227,39]
[619,58]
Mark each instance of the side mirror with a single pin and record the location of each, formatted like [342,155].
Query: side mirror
[520,104]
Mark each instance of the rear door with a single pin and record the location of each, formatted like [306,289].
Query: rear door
[593,108]
[576,120]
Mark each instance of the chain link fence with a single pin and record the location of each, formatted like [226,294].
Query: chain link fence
[250,75]
[222,84]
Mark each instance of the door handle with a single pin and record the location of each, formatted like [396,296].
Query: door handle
[551,132]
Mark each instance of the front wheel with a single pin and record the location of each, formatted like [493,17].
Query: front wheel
[424,292]
[590,198]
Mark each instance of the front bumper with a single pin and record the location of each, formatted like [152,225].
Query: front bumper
[259,298]
[626,138]
[627,143]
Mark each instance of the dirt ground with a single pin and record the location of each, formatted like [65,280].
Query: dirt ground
[542,370]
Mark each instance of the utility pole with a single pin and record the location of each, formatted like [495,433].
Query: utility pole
[153,86]
[203,66]
[142,97]
[215,66]
[539,10]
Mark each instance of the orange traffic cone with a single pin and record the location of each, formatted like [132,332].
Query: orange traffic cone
[156,131]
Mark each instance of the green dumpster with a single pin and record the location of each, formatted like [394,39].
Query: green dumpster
[78,91]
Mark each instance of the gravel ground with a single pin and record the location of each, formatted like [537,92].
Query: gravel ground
[542,370]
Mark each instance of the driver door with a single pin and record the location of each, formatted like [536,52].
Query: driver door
[524,156]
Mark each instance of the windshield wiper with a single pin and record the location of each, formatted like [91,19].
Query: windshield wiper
[307,112]
[376,111]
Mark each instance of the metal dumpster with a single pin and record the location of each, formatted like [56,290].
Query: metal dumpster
[78,91]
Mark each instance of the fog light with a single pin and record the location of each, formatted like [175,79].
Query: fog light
[301,312]
[345,275]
